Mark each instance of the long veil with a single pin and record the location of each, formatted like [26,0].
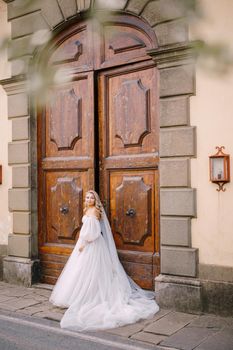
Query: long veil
[126,281]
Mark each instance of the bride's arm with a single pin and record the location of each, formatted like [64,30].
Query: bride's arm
[85,244]
[94,238]
[91,233]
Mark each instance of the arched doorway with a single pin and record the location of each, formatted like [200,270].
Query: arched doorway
[100,130]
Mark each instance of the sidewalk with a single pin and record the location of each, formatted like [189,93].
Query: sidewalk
[169,330]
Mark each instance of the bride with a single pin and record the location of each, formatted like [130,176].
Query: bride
[93,284]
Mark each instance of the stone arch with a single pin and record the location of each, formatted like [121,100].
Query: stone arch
[177,138]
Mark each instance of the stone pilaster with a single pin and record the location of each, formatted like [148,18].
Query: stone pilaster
[18,265]
[179,261]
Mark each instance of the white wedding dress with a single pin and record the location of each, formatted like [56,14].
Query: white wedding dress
[94,286]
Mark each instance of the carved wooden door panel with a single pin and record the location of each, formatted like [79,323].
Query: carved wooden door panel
[128,125]
[125,141]
[66,169]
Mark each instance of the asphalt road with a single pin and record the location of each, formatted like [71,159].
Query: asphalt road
[25,333]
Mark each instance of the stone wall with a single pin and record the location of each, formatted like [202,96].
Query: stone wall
[5,136]
[211,110]
[177,136]
[3,253]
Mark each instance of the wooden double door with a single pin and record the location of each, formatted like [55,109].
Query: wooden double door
[99,131]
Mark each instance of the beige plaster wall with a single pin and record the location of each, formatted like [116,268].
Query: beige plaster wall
[5,133]
[212,113]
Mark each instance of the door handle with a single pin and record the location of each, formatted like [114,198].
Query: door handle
[131,212]
[64,209]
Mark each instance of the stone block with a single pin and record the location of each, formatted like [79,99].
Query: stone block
[128,330]
[20,271]
[18,152]
[174,111]
[110,5]
[52,12]
[175,172]
[14,292]
[221,340]
[20,129]
[4,298]
[18,105]
[161,313]
[18,9]
[19,200]
[18,304]
[21,222]
[136,6]
[217,297]
[175,231]
[178,141]
[20,65]
[151,13]
[68,7]
[177,80]
[188,338]
[163,10]
[148,337]
[21,176]
[170,323]
[21,47]
[179,261]
[216,272]
[176,293]
[83,5]
[19,245]
[50,315]
[28,24]
[3,253]
[172,32]
[192,295]
[178,202]
[31,310]
[211,321]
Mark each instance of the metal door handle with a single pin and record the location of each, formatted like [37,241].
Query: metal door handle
[131,212]
[64,209]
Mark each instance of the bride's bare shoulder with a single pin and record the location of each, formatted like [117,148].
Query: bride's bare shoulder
[92,212]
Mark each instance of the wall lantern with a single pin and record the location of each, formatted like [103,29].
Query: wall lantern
[220,168]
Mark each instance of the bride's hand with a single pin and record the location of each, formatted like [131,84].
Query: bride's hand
[81,249]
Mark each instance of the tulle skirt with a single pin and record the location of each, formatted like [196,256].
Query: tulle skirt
[97,297]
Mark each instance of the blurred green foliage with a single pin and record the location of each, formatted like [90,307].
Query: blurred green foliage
[215,57]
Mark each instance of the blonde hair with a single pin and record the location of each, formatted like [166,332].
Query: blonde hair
[98,204]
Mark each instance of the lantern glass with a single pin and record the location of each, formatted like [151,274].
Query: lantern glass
[218,173]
